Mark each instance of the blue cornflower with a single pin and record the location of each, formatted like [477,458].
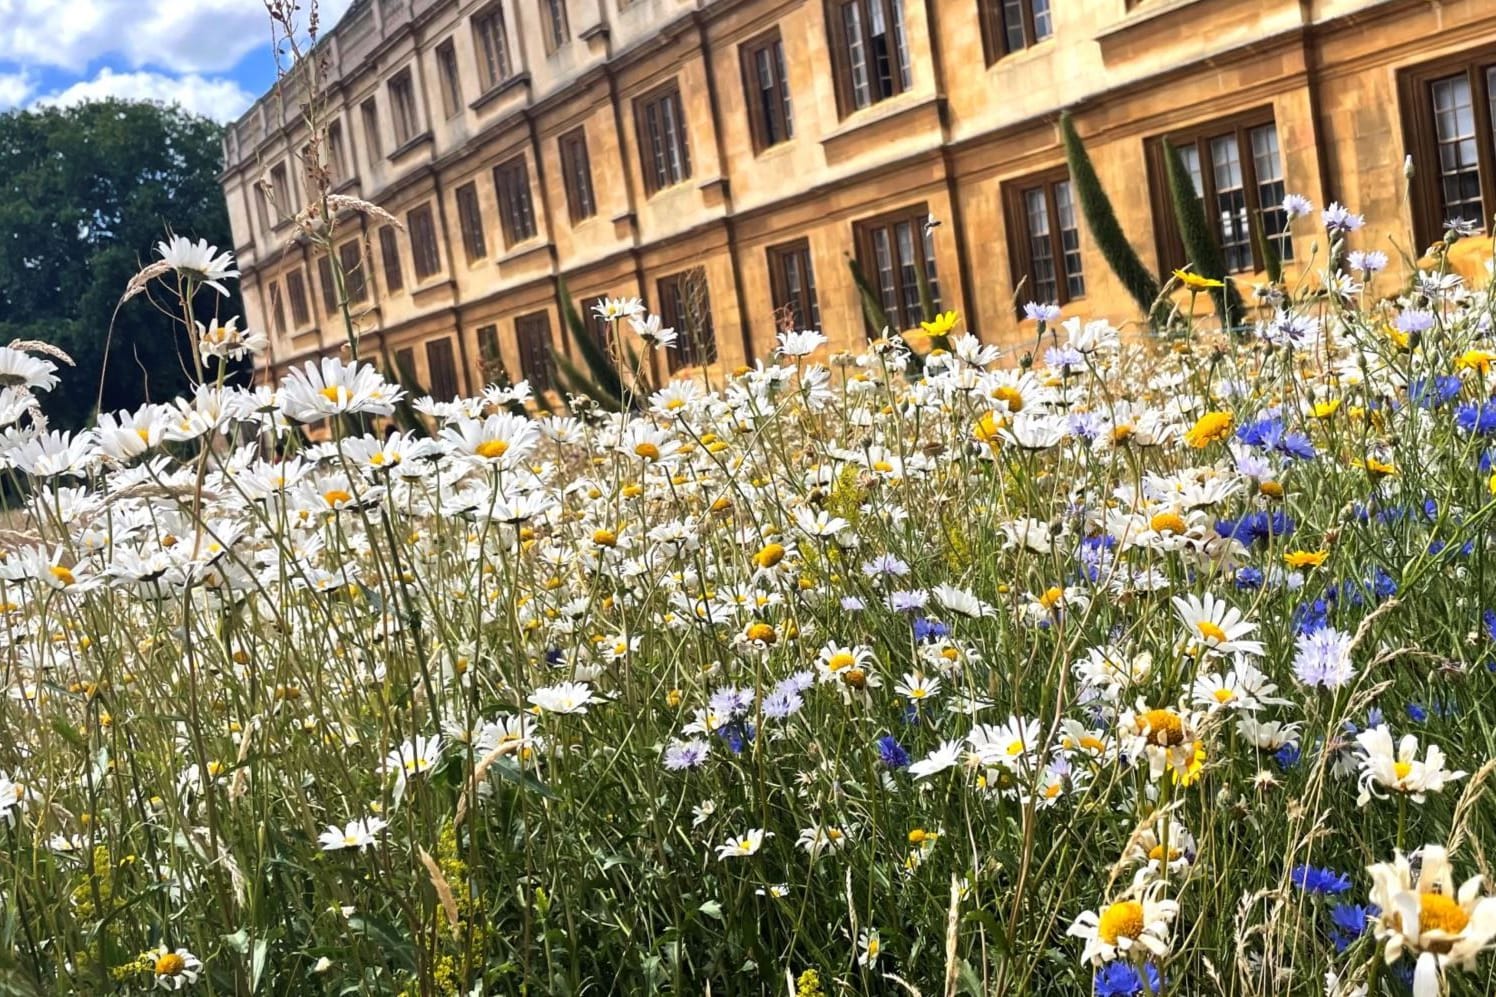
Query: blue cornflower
[1270,434]
[926,629]
[1287,756]
[1255,527]
[1250,578]
[1121,979]
[553,656]
[1417,713]
[782,703]
[1374,718]
[1488,623]
[892,753]
[1431,392]
[686,755]
[737,733]
[1475,417]
[1312,879]
[1348,922]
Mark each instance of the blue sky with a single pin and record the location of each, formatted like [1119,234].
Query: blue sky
[211,56]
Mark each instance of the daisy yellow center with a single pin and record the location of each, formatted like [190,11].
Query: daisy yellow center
[872,946]
[1120,920]
[62,574]
[987,428]
[1157,853]
[334,394]
[336,495]
[1010,396]
[144,434]
[1211,631]
[1015,748]
[1163,727]
[1122,433]
[1210,427]
[1436,912]
[604,538]
[350,840]
[950,654]
[1168,522]
[1402,770]
[492,448]
[170,964]
[882,467]
[918,692]
[840,660]
[675,403]
[648,451]
[762,633]
[855,677]
[1272,489]
[770,555]
[1224,695]
[1051,597]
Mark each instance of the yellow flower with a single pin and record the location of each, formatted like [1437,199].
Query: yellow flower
[1208,429]
[986,429]
[1491,484]
[944,323]
[1305,558]
[1195,282]
[1476,360]
[1375,468]
[1325,409]
[1192,771]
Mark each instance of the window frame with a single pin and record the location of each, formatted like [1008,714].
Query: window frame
[492,76]
[511,181]
[863,232]
[555,25]
[404,114]
[689,350]
[779,281]
[425,244]
[995,41]
[442,346]
[277,309]
[532,368]
[449,77]
[329,285]
[301,310]
[1168,241]
[337,154]
[355,279]
[576,174]
[373,147]
[389,252]
[771,115]
[901,75]
[656,164]
[1420,136]
[470,221]
[1020,237]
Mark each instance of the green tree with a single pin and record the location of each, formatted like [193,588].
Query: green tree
[86,192]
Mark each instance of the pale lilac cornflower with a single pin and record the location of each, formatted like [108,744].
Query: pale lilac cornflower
[1290,329]
[1414,320]
[681,755]
[1063,356]
[1368,261]
[852,604]
[1339,219]
[885,564]
[782,703]
[1040,313]
[905,600]
[1322,658]
[729,702]
[1296,206]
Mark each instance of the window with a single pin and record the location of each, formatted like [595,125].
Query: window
[389,249]
[355,281]
[533,332]
[576,173]
[1044,237]
[1238,173]
[424,256]
[372,148]
[597,327]
[662,138]
[403,107]
[1012,25]
[869,52]
[516,214]
[470,220]
[261,197]
[280,192]
[451,79]
[337,162]
[793,284]
[488,351]
[277,309]
[491,42]
[441,370]
[686,307]
[405,367]
[329,285]
[301,313]
[766,89]
[891,249]
[1448,119]
[553,12]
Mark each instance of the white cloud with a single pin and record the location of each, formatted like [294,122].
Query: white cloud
[14,89]
[220,99]
[178,36]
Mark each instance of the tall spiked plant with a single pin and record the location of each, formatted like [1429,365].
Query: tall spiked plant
[1101,220]
[1199,244]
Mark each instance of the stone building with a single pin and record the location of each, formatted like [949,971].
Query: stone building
[725,159]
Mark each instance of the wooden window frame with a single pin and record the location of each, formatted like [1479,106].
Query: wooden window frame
[492,75]
[1420,137]
[423,242]
[1169,243]
[470,221]
[863,237]
[901,65]
[489,353]
[771,118]
[389,252]
[511,181]
[373,146]
[692,349]
[779,281]
[355,278]
[329,285]
[404,114]
[1020,239]
[596,327]
[657,177]
[533,368]
[576,175]
[449,75]
[301,309]
[993,16]
[442,391]
[555,24]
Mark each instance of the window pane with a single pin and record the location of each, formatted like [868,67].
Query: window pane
[1041,246]
[856,55]
[1191,157]
[887,288]
[1459,163]
[1013,25]
[1268,165]
[882,51]
[930,276]
[1075,282]
[1231,203]
[900,44]
[908,272]
[1043,23]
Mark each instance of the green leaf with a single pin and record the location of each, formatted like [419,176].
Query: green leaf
[386,936]
[510,772]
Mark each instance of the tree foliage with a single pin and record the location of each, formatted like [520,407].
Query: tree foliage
[85,194]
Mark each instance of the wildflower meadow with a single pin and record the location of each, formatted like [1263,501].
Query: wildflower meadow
[1127,661]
